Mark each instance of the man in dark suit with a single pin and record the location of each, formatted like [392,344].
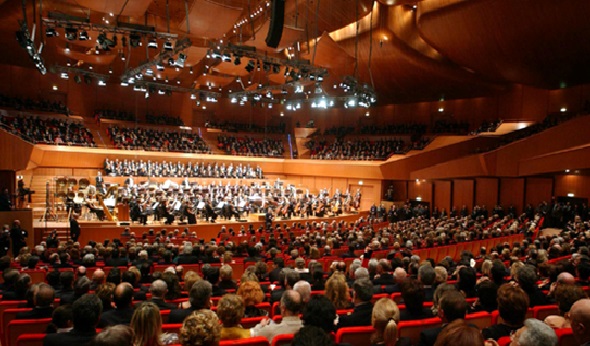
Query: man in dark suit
[452,306]
[274,274]
[363,308]
[86,313]
[426,276]
[288,278]
[159,288]
[74,228]
[42,299]
[187,256]
[199,297]
[66,294]
[383,275]
[116,260]
[123,298]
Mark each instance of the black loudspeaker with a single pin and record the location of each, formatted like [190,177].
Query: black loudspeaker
[277,19]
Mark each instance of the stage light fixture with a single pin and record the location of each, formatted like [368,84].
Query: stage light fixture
[250,66]
[160,67]
[153,43]
[168,45]
[71,33]
[83,36]
[135,40]
[237,61]
[77,79]
[51,32]
[181,60]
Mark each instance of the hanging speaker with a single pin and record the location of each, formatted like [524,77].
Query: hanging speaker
[277,19]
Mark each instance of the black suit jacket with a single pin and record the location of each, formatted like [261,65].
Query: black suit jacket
[178,315]
[116,262]
[276,295]
[384,279]
[162,305]
[115,317]
[72,338]
[428,336]
[35,313]
[361,316]
[273,276]
[405,315]
[187,259]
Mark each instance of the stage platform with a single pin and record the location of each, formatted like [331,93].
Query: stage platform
[101,230]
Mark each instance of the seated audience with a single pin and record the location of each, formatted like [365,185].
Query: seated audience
[453,306]
[86,312]
[565,296]
[118,335]
[230,311]
[363,308]
[43,301]
[534,333]
[290,324]
[252,295]
[513,304]
[459,333]
[413,296]
[123,311]
[200,328]
[385,319]
[199,298]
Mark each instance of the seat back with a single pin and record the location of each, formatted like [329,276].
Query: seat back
[504,341]
[37,275]
[30,340]
[164,314]
[9,315]
[565,337]
[171,328]
[253,341]
[282,340]
[20,327]
[412,329]
[355,336]
[481,319]
[541,312]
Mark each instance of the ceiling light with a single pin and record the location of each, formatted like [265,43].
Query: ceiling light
[101,82]
[181,60]
[83,36]
[64,75]
[191,70]
[135,40]
[153,43]
[51,32]
[237,61]
[168,45]
[54,87]
[67,47]
[71,33]
[124,83]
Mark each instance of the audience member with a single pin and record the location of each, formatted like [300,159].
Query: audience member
[230,311]
[290,324]
[200,328]
[535,333]
[123,311]
[118,335]
[86,312]
[513,304]
[199,298]
[363,308]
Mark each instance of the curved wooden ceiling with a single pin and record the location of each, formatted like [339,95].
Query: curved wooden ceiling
[417,50]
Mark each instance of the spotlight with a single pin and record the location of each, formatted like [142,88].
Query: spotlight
[181,60]
[135,40]
[149,71]
[77,79]
[69,63]
[276,68]
[191,70]
[64,75]
[83,36]
[50,32]
[171,62]
[168,45]
[250,66]
[101,82]
[216,54]
[153,43]
[237,61]
[226,57]
[87,79]
[67,47]
[71,33]
[159,67]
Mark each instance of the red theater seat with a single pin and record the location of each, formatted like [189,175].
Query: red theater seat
[20,327]
[354,335]
[412,329]
[30,340]
[254,341]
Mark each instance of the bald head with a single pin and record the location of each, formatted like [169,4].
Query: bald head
[566,278]
[304,289]
[159,289]
[98,276]
[290,303]
[580,315]
[123,295]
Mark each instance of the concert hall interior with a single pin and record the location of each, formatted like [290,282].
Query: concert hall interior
[191,116]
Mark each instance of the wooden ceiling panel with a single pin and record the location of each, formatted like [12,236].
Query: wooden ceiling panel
[537,43]
[211,20]
[127,8]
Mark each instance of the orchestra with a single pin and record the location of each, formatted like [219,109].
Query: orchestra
[190,200]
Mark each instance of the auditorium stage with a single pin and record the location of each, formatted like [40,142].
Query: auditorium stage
[100,230]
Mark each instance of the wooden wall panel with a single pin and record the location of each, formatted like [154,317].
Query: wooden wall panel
[512,193]
[400,190]
[538,190]
[576,184]
[486,192]
[422,189]
[463,193]
[442,194]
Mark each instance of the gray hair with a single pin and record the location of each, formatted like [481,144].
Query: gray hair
[200,294]
[537,333]
[361,273]
[159,288]
[188,249]
[304,289]
[426,274]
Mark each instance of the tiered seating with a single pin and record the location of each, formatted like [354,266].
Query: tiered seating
[155,140]
[33,105]
[250,146]
[47,130]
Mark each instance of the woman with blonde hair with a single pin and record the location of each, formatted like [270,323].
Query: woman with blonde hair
[230,311]
[338,292]
[252,295]
[147,325]
[200,328]
[385,319]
